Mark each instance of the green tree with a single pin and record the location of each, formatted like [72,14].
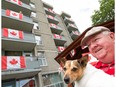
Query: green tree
[105,13]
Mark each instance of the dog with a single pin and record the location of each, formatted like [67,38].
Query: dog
[82,74]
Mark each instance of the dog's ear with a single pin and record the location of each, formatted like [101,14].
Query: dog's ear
[63,61]
[83,61]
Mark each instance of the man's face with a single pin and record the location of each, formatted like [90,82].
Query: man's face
[101,46]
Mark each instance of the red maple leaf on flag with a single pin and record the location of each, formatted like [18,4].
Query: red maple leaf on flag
[13,33]
[14,14]
[13,61]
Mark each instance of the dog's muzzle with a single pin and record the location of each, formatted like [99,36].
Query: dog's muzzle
[67,80]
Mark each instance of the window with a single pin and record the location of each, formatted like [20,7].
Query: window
[38,40]
[32,5]
[52,80]
[13,53]
[42,59]
[33,14]
[27,54]
[9,83]
[29,82]
[40,54]
[36,26]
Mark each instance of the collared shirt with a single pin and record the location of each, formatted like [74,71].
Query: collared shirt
[107,68]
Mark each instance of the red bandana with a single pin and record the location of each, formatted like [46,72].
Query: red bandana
[107,68]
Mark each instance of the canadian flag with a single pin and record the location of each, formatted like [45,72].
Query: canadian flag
[18,2]
[51,10]
[12,33]
[14,14]
[13,62]
[57,36]
[53,25]
[49,16]
[75,32]
[61,48]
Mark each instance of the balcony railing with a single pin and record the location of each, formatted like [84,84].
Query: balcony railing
[32,68]
[71,27]
[59,40]
[15,40]
[52,19]
[25,1]
[46,5]
[74,34]
[17,6]
[14,21]
[55,28]
[49,12]
[68,20]
[63,14]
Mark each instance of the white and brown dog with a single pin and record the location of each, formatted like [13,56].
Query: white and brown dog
[85,75]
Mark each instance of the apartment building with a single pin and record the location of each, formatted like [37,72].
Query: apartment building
[32,36]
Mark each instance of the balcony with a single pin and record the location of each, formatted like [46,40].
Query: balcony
[32,68]
[49,12]
[46,5]
[26,43]
[55,28]
[59,40]
[25,24]
[16,6]
[63,14]
[68,20]
[74,34]
[71,27]
[52,19]
[25,1]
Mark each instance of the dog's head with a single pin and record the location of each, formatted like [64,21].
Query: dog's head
[73,69]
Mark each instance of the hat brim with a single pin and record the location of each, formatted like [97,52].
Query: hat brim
[84,40]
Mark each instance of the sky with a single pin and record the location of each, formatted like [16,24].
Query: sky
[79,10]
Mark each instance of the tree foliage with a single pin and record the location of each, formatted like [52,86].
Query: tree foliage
[105,13]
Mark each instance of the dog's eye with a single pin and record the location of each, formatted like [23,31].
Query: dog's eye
[74,69]
[64,68]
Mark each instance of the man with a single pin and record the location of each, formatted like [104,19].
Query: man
[101,42]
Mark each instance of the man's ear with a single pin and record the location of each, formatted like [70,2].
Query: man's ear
[83,61]
[112,35]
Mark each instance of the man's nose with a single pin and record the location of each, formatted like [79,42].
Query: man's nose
[92,46]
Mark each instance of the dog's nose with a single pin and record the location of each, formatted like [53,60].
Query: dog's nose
[66,79]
